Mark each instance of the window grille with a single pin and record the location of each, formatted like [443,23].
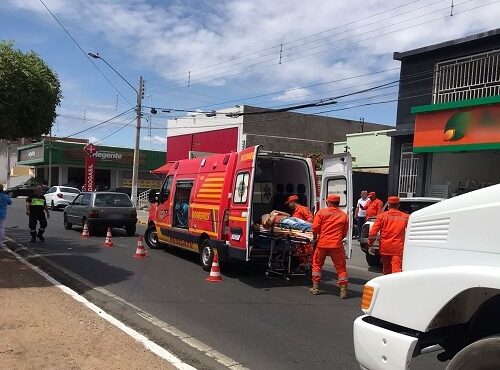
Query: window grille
[471,77]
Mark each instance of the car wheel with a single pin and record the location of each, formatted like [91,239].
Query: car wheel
[373,260]
[91,226]
[151,237]
[52,205]
[482,354]
[11,194]
[67,225]
[206,255]
[130,230]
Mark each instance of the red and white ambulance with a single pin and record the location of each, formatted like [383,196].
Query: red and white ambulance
[211,203]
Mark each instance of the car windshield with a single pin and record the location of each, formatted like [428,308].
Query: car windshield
[410,207]
[112,200]
[70,190]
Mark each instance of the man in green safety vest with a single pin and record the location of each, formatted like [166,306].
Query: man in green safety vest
[36,208]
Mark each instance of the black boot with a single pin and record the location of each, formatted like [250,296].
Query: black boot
[40,235]
[33,236]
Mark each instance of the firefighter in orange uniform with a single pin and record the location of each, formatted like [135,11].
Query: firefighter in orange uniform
[330,227]
[374,205]
[298,210]
[392,227]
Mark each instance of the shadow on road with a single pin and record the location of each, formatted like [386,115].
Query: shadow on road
[59,251]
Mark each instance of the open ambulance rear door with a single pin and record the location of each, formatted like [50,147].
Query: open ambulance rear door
[240,218]
[337,179]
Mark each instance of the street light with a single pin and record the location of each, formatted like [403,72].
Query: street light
[135,166]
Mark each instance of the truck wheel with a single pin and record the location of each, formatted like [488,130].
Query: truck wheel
[206,255]
[372,260]
[483,354]
[151,237]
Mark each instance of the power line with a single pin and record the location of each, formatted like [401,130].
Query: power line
[116,131]
[99,124]
[83,51]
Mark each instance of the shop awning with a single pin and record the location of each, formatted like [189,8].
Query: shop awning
[163,169]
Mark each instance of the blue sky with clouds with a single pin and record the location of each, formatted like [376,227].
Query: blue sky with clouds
[232,50]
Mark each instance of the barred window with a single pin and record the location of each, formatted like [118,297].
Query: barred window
[471,77]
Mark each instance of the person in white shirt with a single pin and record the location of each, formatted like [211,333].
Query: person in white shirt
[360,213]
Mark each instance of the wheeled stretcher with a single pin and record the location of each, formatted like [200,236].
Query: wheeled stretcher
[287,250]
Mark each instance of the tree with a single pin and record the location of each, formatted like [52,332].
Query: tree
[29,94]
[317,159]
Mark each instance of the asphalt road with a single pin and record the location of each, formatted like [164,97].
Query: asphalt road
[258,322]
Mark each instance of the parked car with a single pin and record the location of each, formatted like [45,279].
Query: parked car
[101,210]
[60,196]
[407,205]
[22,190]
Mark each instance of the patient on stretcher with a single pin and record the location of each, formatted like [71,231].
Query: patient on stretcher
[285,221]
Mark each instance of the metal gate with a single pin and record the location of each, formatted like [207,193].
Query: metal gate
[408,171]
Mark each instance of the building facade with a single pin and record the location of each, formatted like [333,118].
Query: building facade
[66,159]
[447,138]
[276,131]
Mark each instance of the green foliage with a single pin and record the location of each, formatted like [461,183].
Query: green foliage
[29,94]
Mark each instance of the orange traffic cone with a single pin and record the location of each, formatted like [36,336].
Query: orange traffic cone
[108,242]
[215,276]
[140,252]
[85,231]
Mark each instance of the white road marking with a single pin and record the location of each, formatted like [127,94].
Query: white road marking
[184,337]
[148,344]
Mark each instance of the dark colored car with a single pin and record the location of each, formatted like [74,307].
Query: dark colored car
[101,210]
[22,190]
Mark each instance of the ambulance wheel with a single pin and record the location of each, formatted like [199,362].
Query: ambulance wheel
[206,255]
[151,237]
[482,354]
[372,260]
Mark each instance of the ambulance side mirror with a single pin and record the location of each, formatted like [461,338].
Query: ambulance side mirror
[163,196]
[152,196]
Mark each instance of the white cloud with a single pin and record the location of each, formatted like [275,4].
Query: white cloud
[155,139]
[296,94]
[188,35]
[93,139]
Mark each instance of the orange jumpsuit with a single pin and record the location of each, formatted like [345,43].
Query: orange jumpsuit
[392,227]
[373,208]
[303,213]
[331,224]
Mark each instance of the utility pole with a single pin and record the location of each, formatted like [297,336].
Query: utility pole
[135,168]
[50,158]
[8,165]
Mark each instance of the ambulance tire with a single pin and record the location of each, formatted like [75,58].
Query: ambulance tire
[151,238]
[206,255]
[483,354]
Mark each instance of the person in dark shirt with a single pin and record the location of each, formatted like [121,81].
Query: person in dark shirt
[36,208]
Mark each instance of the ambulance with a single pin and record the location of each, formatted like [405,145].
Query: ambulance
[210,204]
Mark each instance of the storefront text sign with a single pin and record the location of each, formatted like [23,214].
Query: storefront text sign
[90,149]
[458,130]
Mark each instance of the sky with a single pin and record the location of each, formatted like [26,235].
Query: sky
[208,55]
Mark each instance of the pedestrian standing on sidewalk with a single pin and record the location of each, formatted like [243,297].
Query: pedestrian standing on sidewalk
[330,227]
[360,212]
[4,202]
[36,209]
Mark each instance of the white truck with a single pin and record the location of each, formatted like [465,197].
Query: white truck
[447,298]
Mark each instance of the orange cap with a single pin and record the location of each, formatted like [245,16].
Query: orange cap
[333,198]
[292,198]
[372,194]
[393,200]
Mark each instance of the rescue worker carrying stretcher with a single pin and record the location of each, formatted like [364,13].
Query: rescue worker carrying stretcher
[299,211]
[330,227]
[392,227]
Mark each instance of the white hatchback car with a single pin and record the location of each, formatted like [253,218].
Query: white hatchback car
[60,196]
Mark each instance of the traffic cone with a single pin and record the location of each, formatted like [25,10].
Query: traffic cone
[215,276]
[108,242]
[85,231]
[140,252]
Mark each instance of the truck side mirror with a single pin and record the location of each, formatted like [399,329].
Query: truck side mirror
[152,197]
[164,196]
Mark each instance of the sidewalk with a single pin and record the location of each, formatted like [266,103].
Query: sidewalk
[41,327]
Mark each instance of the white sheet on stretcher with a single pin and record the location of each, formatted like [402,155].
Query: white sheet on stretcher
[284,232]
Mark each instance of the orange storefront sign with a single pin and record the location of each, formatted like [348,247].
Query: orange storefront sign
[458,130]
